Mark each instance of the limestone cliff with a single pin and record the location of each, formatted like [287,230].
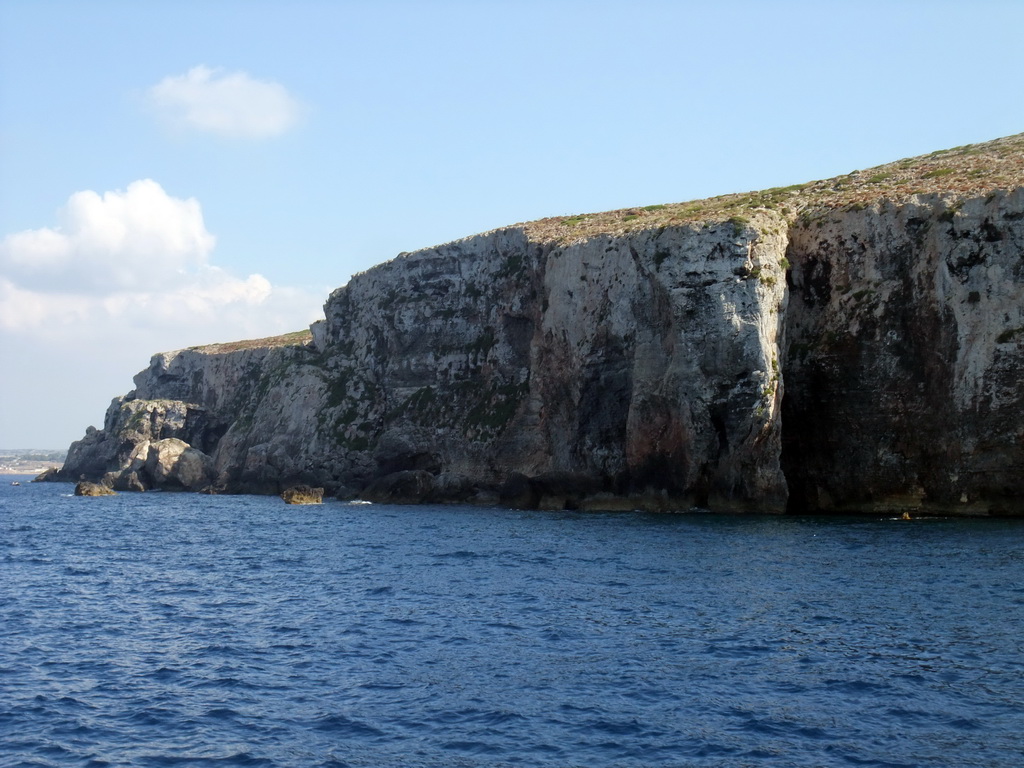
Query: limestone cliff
[849,344]
[906,346]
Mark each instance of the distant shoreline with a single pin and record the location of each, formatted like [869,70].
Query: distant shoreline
[29,469]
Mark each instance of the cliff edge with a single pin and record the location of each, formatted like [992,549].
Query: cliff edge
[853,344]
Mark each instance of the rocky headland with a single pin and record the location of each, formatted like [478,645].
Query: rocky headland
[853,344]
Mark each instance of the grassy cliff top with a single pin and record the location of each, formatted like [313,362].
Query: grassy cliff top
[961,172]
[296,338]
[966,171]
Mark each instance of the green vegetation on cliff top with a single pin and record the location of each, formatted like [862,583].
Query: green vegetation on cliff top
[963,172]
[970,170]
[296,338]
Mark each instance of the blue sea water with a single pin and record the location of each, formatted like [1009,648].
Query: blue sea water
[166,629]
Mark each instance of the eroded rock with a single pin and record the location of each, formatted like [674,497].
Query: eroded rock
[303,494]
[173,463]
[85,488]
[412,486]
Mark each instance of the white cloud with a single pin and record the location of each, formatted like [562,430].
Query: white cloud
[111,242]
[230,104]
[120,276]
[135,264]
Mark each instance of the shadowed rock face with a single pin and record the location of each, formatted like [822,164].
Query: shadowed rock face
[857,358]
[903,371]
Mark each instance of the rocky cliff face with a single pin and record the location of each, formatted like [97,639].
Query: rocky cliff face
[906,355]
[637,363]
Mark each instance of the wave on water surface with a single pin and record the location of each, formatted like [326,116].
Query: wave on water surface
[165,630]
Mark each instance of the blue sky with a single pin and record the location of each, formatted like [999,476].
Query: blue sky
[177,173]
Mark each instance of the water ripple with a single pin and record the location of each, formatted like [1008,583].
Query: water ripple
[166,630]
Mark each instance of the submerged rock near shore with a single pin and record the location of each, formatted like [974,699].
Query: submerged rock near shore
[853,344]
[85,488]
[302,494]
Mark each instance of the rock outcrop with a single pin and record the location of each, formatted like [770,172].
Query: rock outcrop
[145,444]
[302,494]
[85,488]
[855,344]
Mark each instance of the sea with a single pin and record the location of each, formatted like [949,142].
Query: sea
[161,629]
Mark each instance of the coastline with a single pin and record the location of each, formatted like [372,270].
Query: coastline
[29,469]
